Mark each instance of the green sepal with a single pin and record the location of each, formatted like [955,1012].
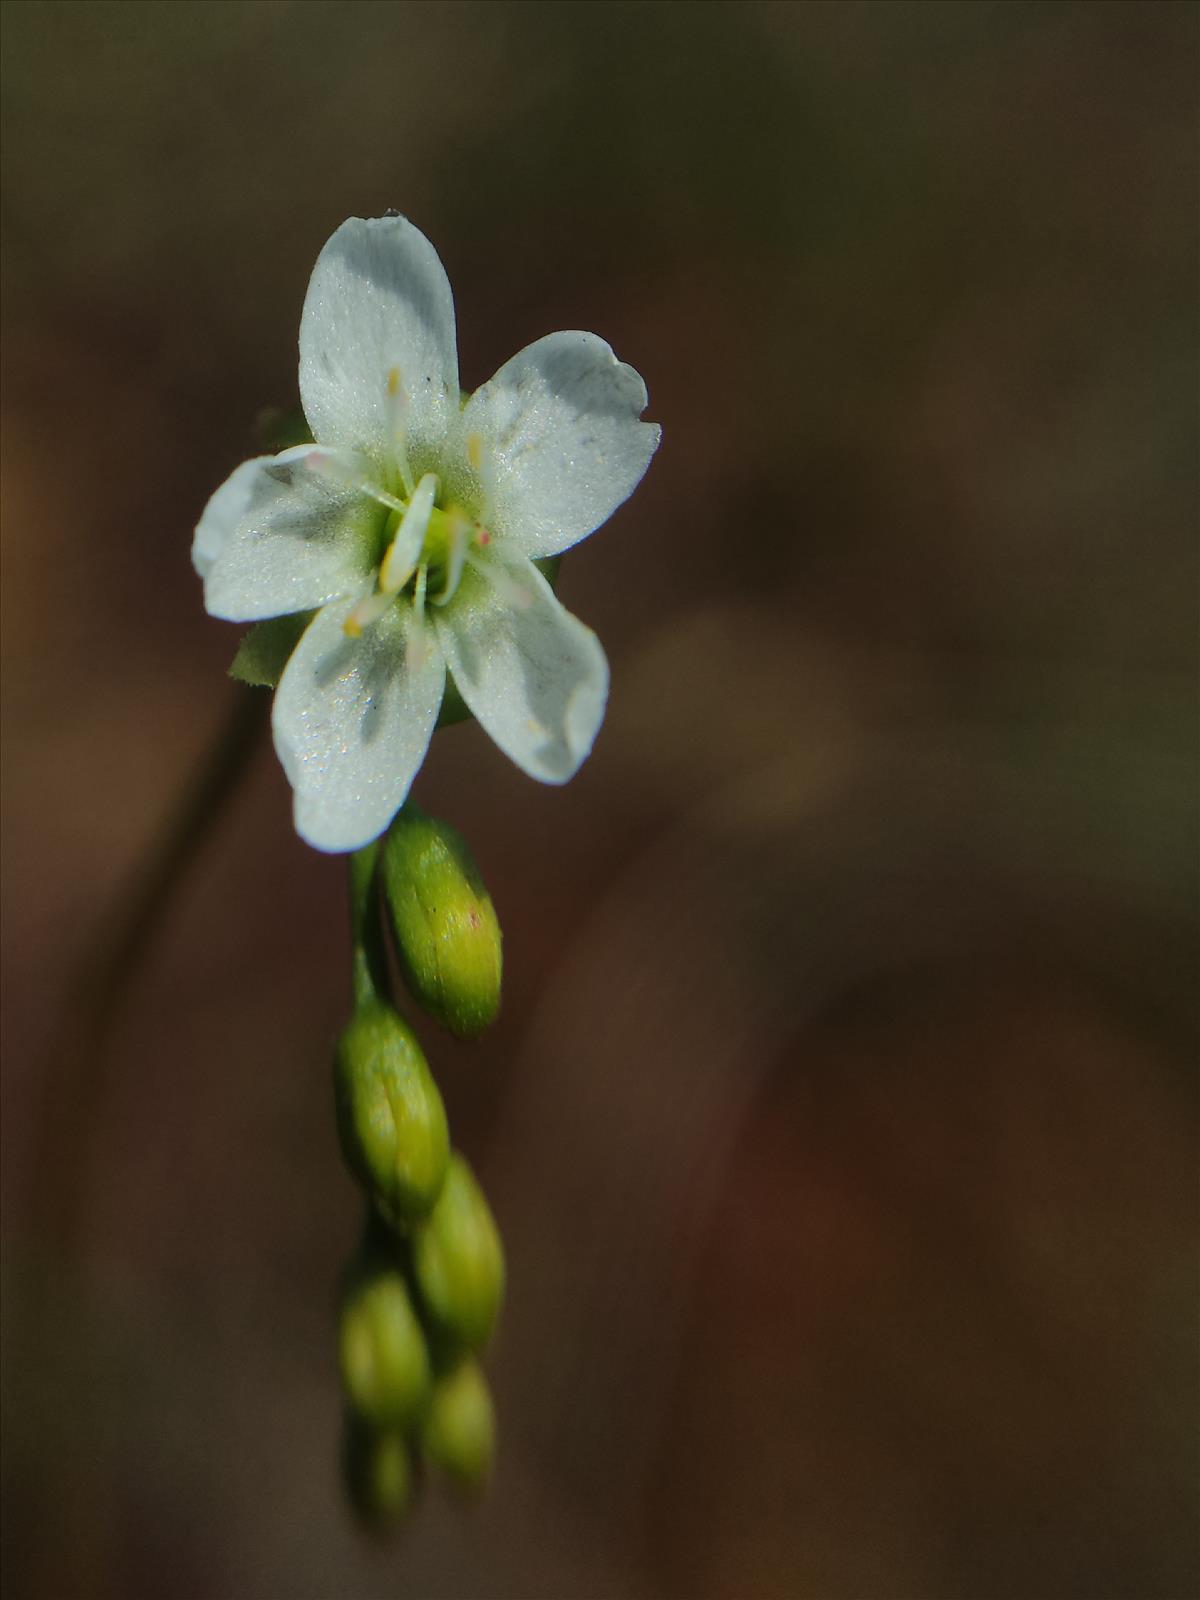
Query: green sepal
[264,651]
[279,428]
[454,707]
[548,567]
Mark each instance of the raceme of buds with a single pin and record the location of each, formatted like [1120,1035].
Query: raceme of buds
[459,1431]
[384,1358]
[459,1261]
[390,1114]
[447,935]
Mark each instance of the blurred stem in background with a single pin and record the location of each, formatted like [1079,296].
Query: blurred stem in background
[75,1072]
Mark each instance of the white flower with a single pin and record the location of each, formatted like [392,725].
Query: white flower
[412,526]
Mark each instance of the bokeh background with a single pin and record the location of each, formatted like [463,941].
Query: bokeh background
[841,1117]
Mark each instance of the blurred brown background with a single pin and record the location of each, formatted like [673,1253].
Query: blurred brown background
[841,1119]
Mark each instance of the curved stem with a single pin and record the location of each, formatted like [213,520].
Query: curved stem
[74,1078]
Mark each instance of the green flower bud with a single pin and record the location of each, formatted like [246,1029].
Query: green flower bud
[384,1357]
[447,935]
[390,1115]
[459,1261]
[459,1432]
[378,1474]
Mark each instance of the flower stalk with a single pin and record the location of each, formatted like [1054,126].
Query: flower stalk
[368,961]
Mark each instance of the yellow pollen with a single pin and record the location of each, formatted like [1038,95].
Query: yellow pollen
[367,611]
[475,451]
[393,380]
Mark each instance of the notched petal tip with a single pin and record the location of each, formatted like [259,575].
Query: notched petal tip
[561,421]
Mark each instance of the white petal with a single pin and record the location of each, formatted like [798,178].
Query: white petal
[560,423]
[277,538]
[352,724]
[379,300]
[534,676]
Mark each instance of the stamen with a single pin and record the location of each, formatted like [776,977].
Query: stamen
[405,549]
[366,612]
[397,408]
[384,498]
[483,464]
[338,470]
[506,586]
[458,531]
[416,649]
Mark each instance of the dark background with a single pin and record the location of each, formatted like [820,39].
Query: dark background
[841,1118]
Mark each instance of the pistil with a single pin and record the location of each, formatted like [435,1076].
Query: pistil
[458,534]
[405,549]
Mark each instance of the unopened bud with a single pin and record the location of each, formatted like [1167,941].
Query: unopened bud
[378,1474]
[459,1431]
[390,1115]
[447,935]
[384,1358]
[459,1261]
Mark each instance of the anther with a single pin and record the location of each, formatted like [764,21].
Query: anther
[366,612]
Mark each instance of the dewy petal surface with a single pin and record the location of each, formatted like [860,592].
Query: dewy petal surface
[534,675]
[560,421]
[352,724]
[379,300]
[277,538]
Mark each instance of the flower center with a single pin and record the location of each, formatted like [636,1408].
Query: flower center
[427,544]
[426,549]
